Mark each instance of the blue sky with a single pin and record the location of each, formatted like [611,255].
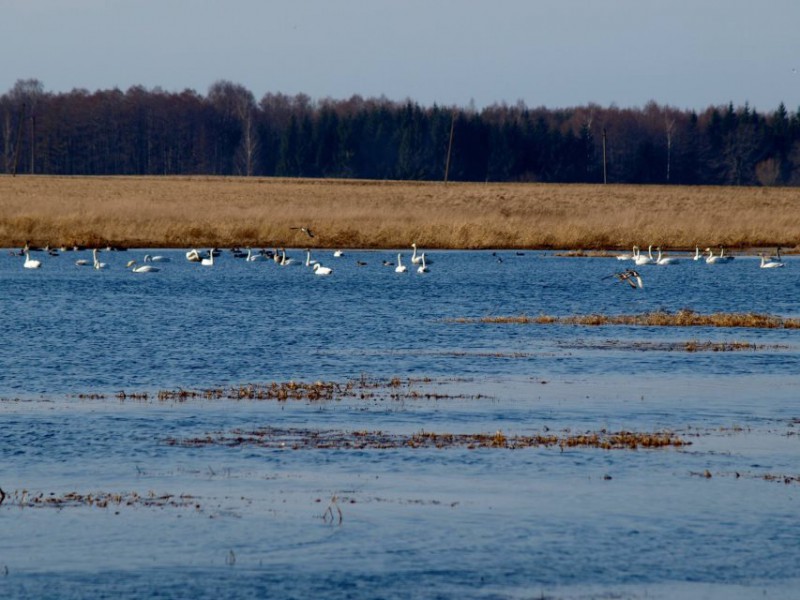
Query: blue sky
[556,53]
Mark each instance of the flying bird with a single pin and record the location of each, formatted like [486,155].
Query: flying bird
[632,277]
[305,230]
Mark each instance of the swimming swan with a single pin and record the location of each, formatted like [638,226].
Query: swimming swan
[400,268]
[30,263]
[768,263]
[415,258]
[628,256]
[143,268]
[644,260]
[285,262]
[208,262]
[97,263]
[665,260]
[717,259]
[320,270]
[254,257]
[422,268]
[309,261]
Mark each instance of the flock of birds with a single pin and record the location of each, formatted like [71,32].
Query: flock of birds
[418,261]
[206,258]
[634,278]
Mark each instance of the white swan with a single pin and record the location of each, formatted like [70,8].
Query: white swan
[338,254]
[320,270]
[400,268]
[208,262]
[697,255]
[254,257]
[157,258]
[97,263]
[309,261]
[31,263]
[768,263]
[82,262]
[713,259]
[414,258]
[665,260]
[628,256]
[285,262]
[644,260]
[193,256]
[143,268]
[423,267]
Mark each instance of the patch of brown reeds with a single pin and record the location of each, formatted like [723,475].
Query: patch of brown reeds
[682,318]
[305,439]
[687,346]
[229,211]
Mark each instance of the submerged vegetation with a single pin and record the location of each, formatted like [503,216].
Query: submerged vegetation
[682,318]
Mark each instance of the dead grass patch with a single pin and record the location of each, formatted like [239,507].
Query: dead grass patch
[362,388]
[682,318]
[314,439]
[26,499]
[687,346]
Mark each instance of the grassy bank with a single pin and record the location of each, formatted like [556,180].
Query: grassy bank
[217,211]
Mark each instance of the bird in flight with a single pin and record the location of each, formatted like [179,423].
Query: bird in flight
[632,277]
[305,230]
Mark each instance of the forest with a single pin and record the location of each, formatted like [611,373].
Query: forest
[228,132]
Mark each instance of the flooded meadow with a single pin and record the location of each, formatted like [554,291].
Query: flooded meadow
[508,424]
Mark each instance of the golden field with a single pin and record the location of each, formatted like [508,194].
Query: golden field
[260,212]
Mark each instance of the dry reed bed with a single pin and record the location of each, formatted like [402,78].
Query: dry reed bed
[220,211]
[314,439]
[682,318]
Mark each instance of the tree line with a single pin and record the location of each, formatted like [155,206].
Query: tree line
[228,132]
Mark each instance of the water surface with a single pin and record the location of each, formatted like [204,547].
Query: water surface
[484,523]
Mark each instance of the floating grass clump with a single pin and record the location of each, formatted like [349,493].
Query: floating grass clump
[305,439]
[682,318]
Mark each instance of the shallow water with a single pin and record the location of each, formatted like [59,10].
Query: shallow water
[486,523]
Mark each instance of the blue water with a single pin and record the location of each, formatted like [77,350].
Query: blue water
[416,523]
